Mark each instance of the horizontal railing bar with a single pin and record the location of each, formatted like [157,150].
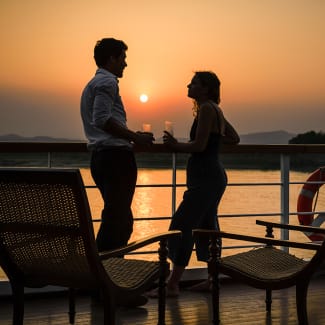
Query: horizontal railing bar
[146,185]
[255,184]
[236,184]
[151,218]
[266,214]
[308,213]
[314,182]
[232,215]
[183,185]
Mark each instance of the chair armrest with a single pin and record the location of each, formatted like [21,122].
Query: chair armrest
[264,240]
[139,243]
[291,227]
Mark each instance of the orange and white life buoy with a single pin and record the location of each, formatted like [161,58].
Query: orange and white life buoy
[305,204]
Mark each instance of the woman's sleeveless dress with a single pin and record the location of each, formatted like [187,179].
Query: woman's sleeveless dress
[206,183]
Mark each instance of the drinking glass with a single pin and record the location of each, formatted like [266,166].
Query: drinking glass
[169,127]
[146,127]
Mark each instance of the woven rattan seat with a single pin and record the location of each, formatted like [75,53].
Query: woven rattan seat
[119,271]
[267,267]
[265,264]
[47,238]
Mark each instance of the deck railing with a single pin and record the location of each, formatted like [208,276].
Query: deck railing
[281,153]
[285,157]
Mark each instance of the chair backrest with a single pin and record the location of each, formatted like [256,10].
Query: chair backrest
[46,232]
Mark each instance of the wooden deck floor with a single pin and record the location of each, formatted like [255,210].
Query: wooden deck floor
[240,304]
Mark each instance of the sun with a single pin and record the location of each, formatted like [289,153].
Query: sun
[144,98]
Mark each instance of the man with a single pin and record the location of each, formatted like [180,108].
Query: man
[113,165]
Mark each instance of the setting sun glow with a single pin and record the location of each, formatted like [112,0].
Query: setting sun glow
[143,98]
[269,56]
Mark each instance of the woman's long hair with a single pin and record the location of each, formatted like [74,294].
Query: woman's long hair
[209,80]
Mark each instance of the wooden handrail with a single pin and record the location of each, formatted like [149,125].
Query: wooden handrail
[291,227]
[159,147]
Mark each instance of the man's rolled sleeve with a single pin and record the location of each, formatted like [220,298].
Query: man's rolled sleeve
[103,104]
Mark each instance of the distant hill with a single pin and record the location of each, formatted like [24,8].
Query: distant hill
[273,137]
[19,138]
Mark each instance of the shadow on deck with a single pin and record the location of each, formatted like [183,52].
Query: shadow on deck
[240,304]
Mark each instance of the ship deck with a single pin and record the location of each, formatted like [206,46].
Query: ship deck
[240,304]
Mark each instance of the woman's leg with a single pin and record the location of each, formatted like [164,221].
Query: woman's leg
[195,206]
[174,279]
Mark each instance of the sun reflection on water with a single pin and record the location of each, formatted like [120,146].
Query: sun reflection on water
[154,202]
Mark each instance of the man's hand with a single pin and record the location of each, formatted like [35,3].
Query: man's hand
[144,138]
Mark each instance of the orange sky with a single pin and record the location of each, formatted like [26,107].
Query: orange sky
[269,55]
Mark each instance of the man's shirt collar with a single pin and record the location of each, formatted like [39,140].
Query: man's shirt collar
[106,72]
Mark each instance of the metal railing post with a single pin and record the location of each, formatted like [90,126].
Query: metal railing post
[49,160]
[284,196]
[173,183]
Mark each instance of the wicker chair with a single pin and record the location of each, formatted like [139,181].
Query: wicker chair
[265,267]
[47,238]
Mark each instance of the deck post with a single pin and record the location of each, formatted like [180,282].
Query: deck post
[49,160]
[173,183]
[284,196]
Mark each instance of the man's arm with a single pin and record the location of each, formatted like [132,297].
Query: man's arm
[113,127]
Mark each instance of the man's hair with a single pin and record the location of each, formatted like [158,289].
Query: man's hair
[106,48]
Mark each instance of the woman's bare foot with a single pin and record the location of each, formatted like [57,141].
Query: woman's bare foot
[170,292]
[204,286]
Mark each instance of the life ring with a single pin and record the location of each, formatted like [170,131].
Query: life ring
[305,204]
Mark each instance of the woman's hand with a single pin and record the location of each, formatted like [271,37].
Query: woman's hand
[169,140]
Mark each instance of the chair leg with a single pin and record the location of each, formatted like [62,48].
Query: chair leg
[268,299]
[163,273]
[18,304]
[161,303]
[301,302]
[109,309]
[213,269]
[72,305]
[215,299]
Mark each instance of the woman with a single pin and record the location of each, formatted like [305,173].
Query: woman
[206,177]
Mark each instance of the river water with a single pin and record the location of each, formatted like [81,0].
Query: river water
[153,202]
